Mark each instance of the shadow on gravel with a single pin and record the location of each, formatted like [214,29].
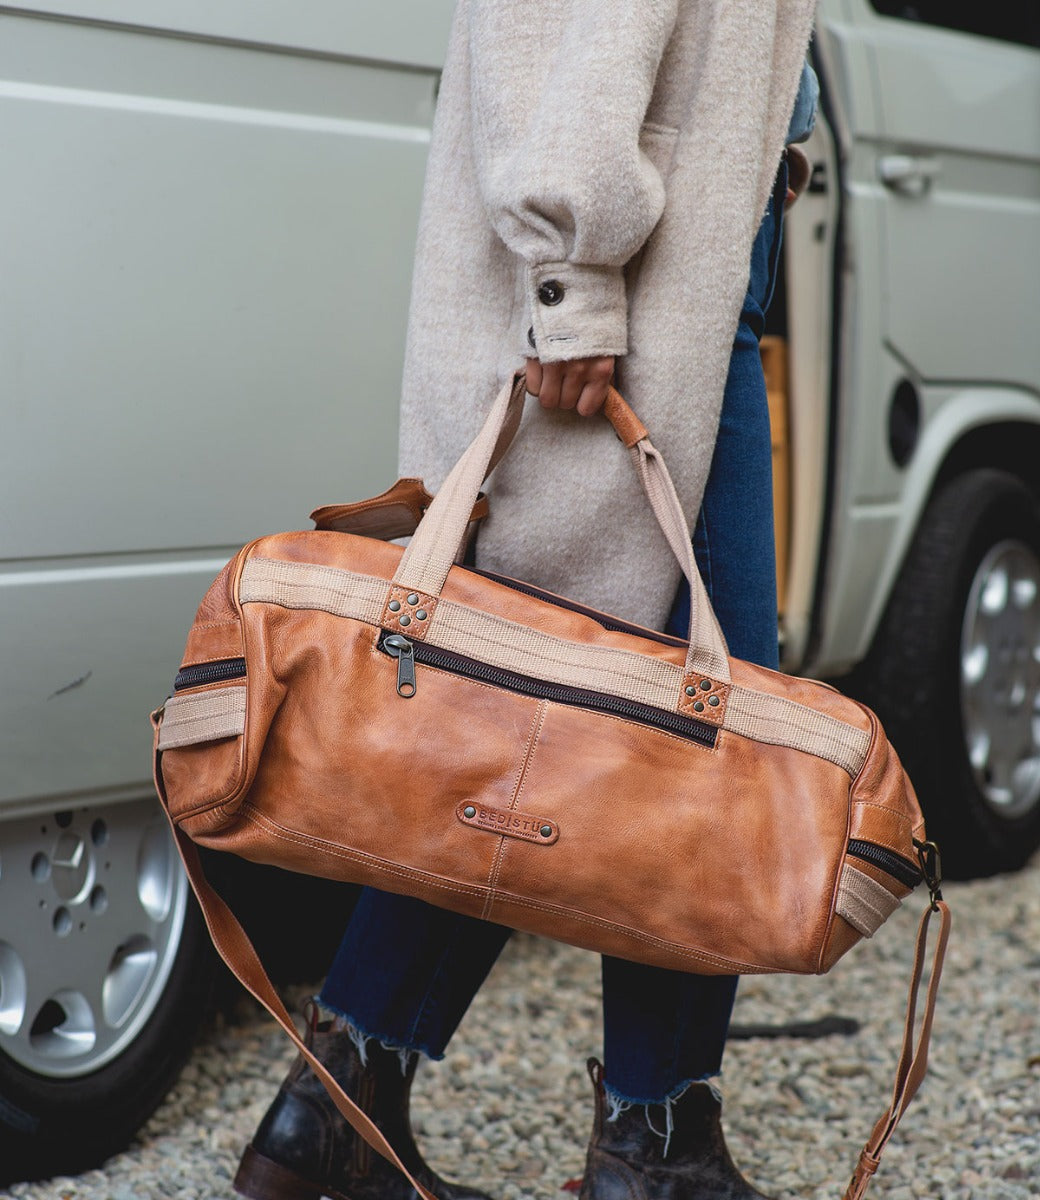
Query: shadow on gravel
[828,1026]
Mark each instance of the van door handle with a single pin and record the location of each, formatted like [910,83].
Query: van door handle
[909,174]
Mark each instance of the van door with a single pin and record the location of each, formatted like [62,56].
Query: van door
[960,155]
[939,137]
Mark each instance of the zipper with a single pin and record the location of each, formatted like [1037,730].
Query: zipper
[409,653]
[210,672]
[403,650]
[894,864]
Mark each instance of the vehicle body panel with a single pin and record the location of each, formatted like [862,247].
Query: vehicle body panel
[939,281]
[206,295]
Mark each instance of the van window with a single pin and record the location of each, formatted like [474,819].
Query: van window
[1009,20]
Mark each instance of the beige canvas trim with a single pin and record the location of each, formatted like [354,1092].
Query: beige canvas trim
[308,585]
[863,902]
[782,722]
[515,647]
[203,717]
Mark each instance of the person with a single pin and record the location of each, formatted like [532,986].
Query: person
[615,160]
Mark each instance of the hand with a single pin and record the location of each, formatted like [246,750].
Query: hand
[580,383]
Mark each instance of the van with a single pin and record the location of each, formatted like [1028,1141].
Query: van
[210,214]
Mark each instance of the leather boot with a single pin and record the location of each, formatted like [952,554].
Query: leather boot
[303,1148]
[627,1160]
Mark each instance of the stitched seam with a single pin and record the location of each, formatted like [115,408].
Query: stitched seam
[215,624]
[892,812]
[518,787]
[544,707]
[683,951]
[249,813]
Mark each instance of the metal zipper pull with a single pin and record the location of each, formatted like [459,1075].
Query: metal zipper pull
[401,648]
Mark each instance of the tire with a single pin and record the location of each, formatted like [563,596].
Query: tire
[954,672]
[143,983]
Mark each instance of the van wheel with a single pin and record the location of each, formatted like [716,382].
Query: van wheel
[105,975]
[954,672]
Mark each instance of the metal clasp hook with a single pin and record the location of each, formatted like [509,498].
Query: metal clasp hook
[930,862]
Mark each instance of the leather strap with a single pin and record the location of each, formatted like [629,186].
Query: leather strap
[237,951]
[913,1060]
[425,564]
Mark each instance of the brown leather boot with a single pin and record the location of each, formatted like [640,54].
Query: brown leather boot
[627,1160]
[303,1149]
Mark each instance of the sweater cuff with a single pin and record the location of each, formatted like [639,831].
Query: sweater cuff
[576,311]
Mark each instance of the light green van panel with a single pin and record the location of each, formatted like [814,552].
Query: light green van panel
[390,31]
[208,233]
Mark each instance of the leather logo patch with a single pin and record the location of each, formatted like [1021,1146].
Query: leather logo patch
[511,824]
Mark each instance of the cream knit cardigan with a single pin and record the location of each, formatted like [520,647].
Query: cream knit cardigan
[627,150]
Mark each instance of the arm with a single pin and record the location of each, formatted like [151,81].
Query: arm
[562,177]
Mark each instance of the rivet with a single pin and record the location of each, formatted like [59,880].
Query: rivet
[421,615]
[469,811]
[713,701]
[691,690]
[699,706]
[546,831]
[406,620]
[705,685]
[394,606]
[413,598]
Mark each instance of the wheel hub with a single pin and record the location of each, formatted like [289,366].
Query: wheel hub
[1000,678]
[92,905]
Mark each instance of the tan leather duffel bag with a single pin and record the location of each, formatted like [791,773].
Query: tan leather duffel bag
[349,709]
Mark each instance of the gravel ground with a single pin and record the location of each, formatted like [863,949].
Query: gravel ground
[509,1109]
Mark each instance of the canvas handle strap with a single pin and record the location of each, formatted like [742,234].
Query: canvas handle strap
[237,951]
[913,1060]
[426,562]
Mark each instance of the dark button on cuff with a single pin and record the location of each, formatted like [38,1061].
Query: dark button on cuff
[550,292]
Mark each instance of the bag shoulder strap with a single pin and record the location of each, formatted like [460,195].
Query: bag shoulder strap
[237,951]
[913,1060]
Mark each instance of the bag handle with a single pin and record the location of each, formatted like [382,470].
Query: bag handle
[432,551]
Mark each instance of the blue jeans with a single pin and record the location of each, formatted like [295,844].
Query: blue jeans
[406,971]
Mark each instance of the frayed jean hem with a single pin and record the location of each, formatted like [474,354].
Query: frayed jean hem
[362,1037]
[618,1103]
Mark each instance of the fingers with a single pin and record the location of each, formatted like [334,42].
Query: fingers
[593,397]
[552,383]
[579,384]
[571,388]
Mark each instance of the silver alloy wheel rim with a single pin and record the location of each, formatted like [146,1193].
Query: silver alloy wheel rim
[1000,678]
[92,905]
